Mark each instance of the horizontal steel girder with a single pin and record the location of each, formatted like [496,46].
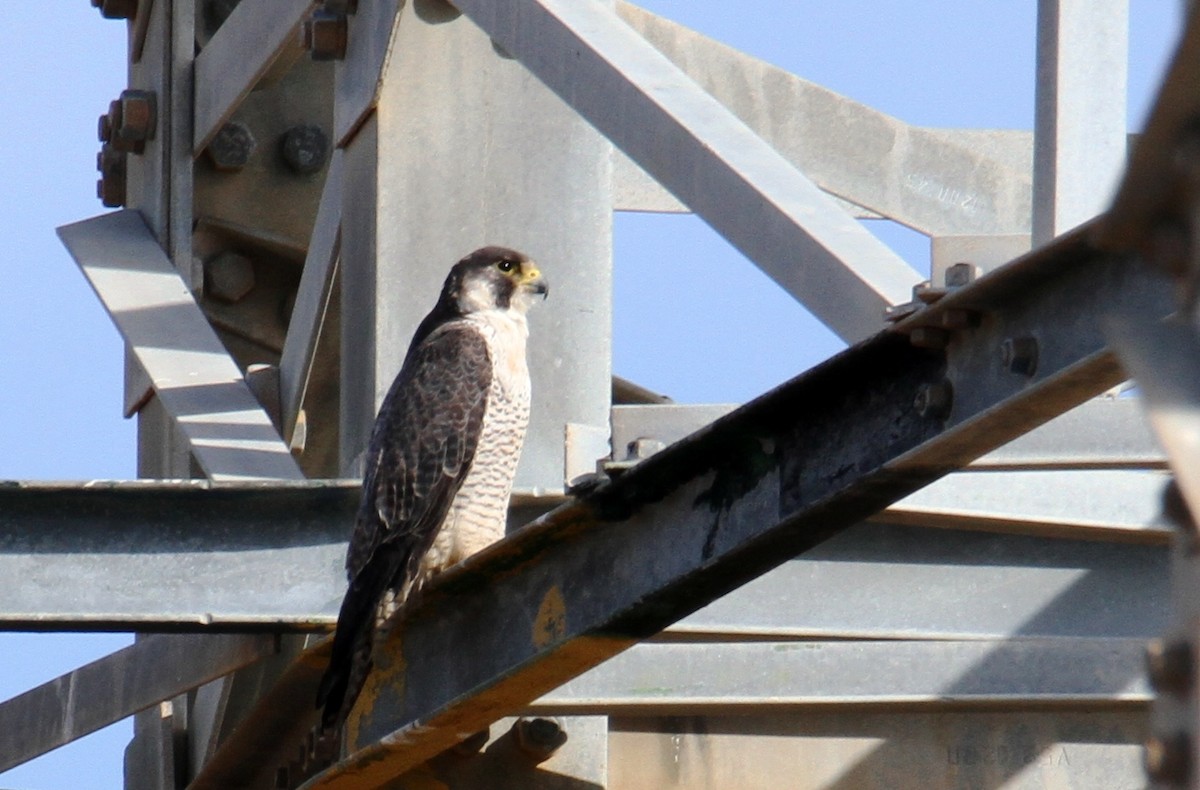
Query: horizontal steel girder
[271,556]
[1106,433]
[768,481]
[714,678]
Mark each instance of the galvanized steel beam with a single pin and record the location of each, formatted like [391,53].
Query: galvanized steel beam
[1079,123]
[405,221]
[771,480]
[312,300]
[705,156]
[1098,504]
[938,181]
[271,554]
[716,679]
[197,382]
[138,677]
[1107,433]
[254,36]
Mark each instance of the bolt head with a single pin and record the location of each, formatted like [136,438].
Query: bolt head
[539,738]
[1168,758]
[131,120]
[231,147]
[1170,666]
[325,35]
[228,277]
[961,274]
[1020,355]
[934,400]
[305,149]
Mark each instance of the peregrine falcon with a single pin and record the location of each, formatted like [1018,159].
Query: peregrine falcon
[442,455]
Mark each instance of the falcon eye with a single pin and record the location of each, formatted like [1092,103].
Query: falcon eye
[506,266]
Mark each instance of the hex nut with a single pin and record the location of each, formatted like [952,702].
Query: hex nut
[1020,355]
[934,400]
[304,148]
[231,147]
[961,274]
[228,277]
[325,35]
[110,188]
[539,738]
[1168,758]
[131,121]
[1170,666]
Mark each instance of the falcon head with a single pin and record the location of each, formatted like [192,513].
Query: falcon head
[494,278]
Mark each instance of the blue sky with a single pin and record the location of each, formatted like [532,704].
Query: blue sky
[936,63]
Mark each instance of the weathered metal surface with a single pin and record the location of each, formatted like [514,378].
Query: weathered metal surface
[312,299]
[722,678]
[126,554]
[406,222]
[194,378]
[273,556]
[1106,433]
[945,584]
[705,156]
[933,180]
[1098,504]
[882,750]
[255,35]
[359,76]
[1080,128]
[96,695]
[768,481]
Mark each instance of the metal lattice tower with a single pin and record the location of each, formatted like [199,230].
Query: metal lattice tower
[936,555]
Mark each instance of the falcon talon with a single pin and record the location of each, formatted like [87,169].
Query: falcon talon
[440,463]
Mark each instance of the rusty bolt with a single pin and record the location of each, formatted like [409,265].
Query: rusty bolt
[305,148]
[1169,759]
[929,337]
[130,121]
[111,186]
[934,400]
[232,147]
[228,277]
[324,35]
[961,274]
[116,9]
[104,128]
[1020,355]
[1170,665]
[539,738]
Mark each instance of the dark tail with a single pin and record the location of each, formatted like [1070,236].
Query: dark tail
[351,657]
